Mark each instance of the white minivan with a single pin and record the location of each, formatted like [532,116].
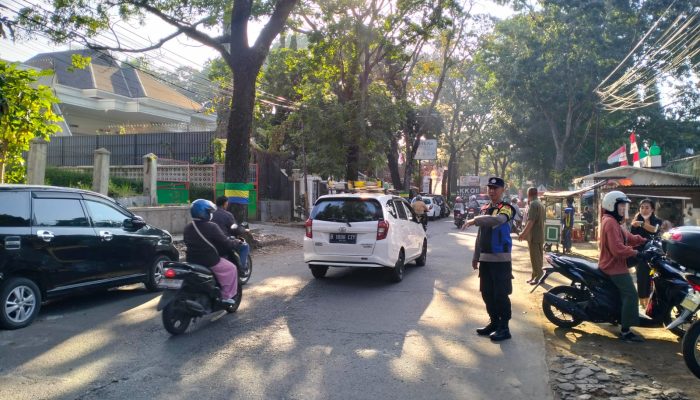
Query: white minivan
[363,230]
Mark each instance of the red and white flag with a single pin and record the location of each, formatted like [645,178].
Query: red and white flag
[634,150]
[618,155]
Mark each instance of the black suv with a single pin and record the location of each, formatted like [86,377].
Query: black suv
[56,241]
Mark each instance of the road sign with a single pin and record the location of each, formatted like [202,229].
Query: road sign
[466,191]
[427,150]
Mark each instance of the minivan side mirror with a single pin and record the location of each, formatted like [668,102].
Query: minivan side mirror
[134,223]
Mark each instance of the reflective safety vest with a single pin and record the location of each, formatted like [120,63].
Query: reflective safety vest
[497,239]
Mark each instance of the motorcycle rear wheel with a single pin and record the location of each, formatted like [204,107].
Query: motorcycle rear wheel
[175,321]
[553,314]
[691,349]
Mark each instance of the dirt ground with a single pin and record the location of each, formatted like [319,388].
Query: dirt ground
[657,360]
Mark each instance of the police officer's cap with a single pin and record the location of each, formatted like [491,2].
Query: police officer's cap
[495,181]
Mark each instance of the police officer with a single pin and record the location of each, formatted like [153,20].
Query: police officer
[493,260]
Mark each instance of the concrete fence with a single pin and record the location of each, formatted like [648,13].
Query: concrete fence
[173,218]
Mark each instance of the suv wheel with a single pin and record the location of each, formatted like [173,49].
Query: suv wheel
[318,271]
[155,272]
[20,301]
[396,273]
[420,261]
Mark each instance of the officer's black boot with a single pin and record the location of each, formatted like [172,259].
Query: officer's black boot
[501,333]
[488,329]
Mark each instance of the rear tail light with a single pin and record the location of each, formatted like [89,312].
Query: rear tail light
[676,236]
[307,226]
[169,273]
[695,286]
[382,230]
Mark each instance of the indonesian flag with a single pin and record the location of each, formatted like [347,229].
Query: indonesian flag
[634,150]
[618,155]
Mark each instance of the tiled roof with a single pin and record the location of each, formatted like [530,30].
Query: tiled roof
[104,73]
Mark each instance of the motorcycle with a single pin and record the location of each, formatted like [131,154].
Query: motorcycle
[238,232]
[691,340]
[423,219]
[459,219]
[593,297]
[191,292]
[471,212]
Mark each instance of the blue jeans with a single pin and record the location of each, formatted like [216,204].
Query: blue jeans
[243,250]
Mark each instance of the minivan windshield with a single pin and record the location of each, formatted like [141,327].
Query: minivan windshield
[347,210]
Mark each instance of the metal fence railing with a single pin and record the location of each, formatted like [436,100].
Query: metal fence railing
[129,149]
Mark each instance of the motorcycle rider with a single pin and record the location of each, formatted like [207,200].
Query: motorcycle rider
[206,243]
[473,203]
[420,208]
[225,219]
[616,246]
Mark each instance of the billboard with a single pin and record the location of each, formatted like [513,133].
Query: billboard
[466,191]
[427,150]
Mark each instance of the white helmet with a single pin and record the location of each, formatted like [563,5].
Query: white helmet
[611,199]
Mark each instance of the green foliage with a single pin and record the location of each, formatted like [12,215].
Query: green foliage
[219,150]
[118,187]
[26,112]
[200,192]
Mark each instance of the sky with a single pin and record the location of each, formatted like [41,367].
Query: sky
[179,51]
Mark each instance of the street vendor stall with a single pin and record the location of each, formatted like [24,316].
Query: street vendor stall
[555,203]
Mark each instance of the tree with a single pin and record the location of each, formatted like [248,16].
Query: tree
[26,112]
[546,63]
[85,20]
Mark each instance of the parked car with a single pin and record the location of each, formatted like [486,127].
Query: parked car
[433,207]
[57,241]
[363,230]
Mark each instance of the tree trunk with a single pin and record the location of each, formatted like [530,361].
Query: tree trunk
[392,158]
[238,133]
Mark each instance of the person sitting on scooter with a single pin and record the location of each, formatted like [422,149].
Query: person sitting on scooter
[473,203]
[616,246]
[225,219]
[419,206]
[206,243]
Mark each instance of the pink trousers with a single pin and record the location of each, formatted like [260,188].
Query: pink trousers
[227,275]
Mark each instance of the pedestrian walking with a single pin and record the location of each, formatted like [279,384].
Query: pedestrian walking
[534,234]
[492,258]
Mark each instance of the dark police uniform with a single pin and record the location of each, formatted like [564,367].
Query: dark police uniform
[493,251]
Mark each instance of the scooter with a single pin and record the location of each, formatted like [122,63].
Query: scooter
[423,219]
[691,340]
[191,292]
[593,297]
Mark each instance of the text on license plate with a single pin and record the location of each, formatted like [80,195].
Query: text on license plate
[691,301]
[343,238]
[170,283]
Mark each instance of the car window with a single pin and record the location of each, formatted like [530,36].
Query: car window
[400,209]
[410,215]
[14,208]
[347,210]
[427,201]
[59,212]
[104,216]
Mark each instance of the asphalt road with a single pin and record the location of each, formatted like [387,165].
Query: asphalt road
[352,335]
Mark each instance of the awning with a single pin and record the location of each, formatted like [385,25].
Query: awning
[571,193]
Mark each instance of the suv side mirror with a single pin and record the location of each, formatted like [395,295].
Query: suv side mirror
[134,223]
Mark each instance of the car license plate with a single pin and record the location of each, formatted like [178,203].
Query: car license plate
[349,238]
[170,283]
[691,301]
